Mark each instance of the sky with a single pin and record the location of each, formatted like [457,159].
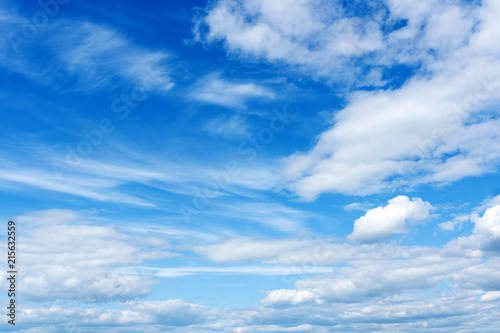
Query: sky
[251,166]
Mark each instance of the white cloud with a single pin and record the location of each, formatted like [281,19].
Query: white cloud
[490,296]
[212,89]
[390,139]
[97,55]
[135,315]
[374,285]
[50,217]
[367,279]
[371,146]
[485,238]
[82,55]
[489,224]
[484,276]
[455,223]
[303,253]
[436,128]
[101,175]
[66,257]
[311,34]
[363,206]
[277,328]
[256,176]
[239,270]
[247,249]
[383,222]
[271,215]
[446,311]
[90,184]
[229,127]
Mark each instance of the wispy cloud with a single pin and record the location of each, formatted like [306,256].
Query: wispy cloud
[271,215]
[229,127]
[246,270]
[213,89]
[97,188]
[83,56]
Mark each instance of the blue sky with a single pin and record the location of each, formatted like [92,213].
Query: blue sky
[251,165]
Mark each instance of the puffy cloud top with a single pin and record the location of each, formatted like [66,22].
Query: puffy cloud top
[383,222]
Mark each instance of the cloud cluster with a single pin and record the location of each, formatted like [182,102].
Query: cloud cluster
[364,279]
[129,317]
[377,286]
[338,286]
[441,124]
[485,239]
[312,34]
[67,258]
[432,129]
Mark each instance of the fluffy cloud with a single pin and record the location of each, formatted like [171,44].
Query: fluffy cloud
[66,257]
[341,42]
[371,292]
[130,316]
[485,238]
[489,224]
[446,311]
[437,128]
[374,287]
[383,222]
[366,279]
[314,35]
[432,129]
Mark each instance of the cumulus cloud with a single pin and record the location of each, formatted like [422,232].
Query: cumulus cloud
[490,296]
[383,222]
[170,313]
[387,289]
[370,279]
[485,238]
[315,35]
[440,126]
[450,310]
[342,42]
[390,139]
[362,287]
[67,257]
[436,128]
